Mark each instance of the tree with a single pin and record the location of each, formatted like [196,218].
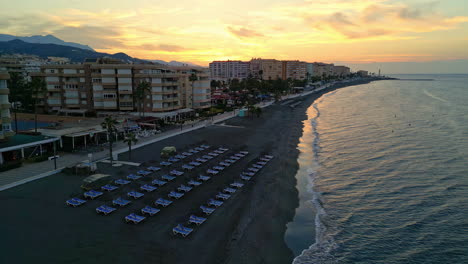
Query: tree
[192,78]
[130,139]
[110,125]
[142,88]
[17,87]
[38,88]
[258,111]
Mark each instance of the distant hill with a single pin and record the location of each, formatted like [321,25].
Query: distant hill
[174,63]
[48,39]
[53,50]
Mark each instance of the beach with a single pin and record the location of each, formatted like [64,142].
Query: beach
[247,228]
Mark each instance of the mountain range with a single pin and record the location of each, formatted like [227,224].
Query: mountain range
[48,39]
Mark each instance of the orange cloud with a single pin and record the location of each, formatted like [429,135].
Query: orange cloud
[244,32]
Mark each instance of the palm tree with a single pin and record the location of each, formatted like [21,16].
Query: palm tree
[38,87]
[110,125]
[130,139]
[17,87]
[142,88]
[193,78]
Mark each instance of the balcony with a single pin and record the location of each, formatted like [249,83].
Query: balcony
[4,91]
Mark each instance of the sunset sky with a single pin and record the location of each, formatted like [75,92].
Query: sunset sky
[199,31]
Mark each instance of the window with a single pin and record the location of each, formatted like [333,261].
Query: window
[97,80]
[109,96]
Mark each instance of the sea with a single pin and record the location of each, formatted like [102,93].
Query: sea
[383,174]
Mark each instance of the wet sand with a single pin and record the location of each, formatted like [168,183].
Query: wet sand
[37,226]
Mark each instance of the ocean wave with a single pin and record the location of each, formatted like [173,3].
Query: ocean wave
[435,97]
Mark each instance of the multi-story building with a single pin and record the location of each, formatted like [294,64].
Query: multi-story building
[196,93]
[267,69]
[294,69]
[5,118]
[363,73]
[322,69]
[310,70]
[225,70]
[341,71]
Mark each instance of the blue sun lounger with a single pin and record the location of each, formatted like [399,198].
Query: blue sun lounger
[92,194]
[208,157]
[162,202]
[133,177]
[180,156]
[199,149]
[245,178]
[75,202]
[105,210]
[218,168]
[215,203]
[121,182]
[187,153]
[262,163]
[202,160]
[135,195]
[152,168]
[165,163]
[196,220]
[237,184]
[120,202]
[264,159]
[168,177]
[230,161]
[172,159]
[176,172]
[148,188]
[218,151]
[134,218]
[194,163]
[184,188]
[224,164]
[213,154]
[194,183]
[204,178]
[158,182]
[210,171]
[182,230]
[248,173]
[205,146]
[109,188]
[223,149]
[150,210]
[229,190]
[223,196]
[269,157]
[207,210]
[244,152]
[253,169]
[193,151]
[234,158]
[239,155]
[175,195]
[187,167]
[257,166]
[143,172]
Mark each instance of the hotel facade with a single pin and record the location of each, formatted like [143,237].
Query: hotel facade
[5,118]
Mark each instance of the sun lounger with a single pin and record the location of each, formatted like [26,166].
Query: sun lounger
[201,160]
[262,163]
[229,190]
[175,195]
[158,182]
[135,195]
[187,167]
[134,218]
[218,151]
[148,188]
[193,151]
[231,161]
[176,172]
[269,156]
[253,169]
[244,152]
[120,202]
[196,220]
[180,156]
[75,202]
[264,159]
[109,188]
[245,178]
[213,154]
[173,160]
[234,158]
[248,173]
[207,210]
[143,172]
[194,183]
[225,164]
[215,203]
[223,196]
[204,146]
[182,230]
[121,182]
[184,188]
[105,210]
[152,168]
[165,163]
[199,149]
[239,155]
[257,166]
[150,210]
[237,184]
[223,149]
[204,178]
[92,194]
[168,177]
[162,202]
[133,177]
[210,171]
[208,157]
[218,168]
[194,163]
[187,153]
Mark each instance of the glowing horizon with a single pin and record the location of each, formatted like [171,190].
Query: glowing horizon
[200,31]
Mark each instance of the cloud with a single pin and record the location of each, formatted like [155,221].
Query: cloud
[244,32]
[171,48]
[95,36]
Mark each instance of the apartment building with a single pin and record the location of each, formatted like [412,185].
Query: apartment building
[196,94]
[267,69]
[322,69]
[225,70]
[341,71]
[5,118]
[294,69]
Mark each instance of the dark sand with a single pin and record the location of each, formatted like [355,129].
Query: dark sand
[37,227]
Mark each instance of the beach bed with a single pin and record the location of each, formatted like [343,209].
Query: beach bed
[134,218]
[187,153]
[234,158]
[230,161]
[204,178]
[218,151]
[237,184]
[165,163]
[152,168]
[201,160]
[105,210]
[239,155]
[204,146]
[182,230]
[133,177]
[199,149]
[121,182]
[215,203]
[75,202]
[223,149]
[229,190]
[244,152]
[109,188]
[143,172]
[264,159]
[223,196]
[150,210]
[210,171]
[224,164]
[172,159]
[92,194]
[168,177]
[148,188]
[120,202]
[207,210]
[175,195]
[269,157]
[183,188]
[196,220]
[194,163]
[257,166]
[255,170]
[176,172]
[162,202]
[180,156]
[218,168]
[245,178]
[194,183]
[135,195]
[213,154]
[262,163]
[187,167]
[248,173]
[158,182]
[208,157]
